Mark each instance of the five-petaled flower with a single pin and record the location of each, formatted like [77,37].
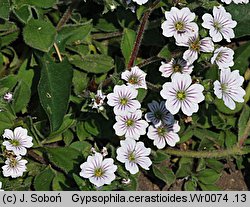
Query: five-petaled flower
[133,153]
[158,114]
[18,140]
[179,23]
[220,24]
[181,94]
[131,125]
[223,57]
[99,171]
[164,134]
[229,88]
[98,100]
[178,65]
[140,2]
[123,99]
[14,167]
[195,46]
[135,77]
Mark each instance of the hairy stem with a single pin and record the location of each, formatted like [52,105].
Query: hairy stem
[236,150]
[245,134]
[140,33]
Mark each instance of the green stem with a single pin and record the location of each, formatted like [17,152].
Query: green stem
[245,134]
[209,154]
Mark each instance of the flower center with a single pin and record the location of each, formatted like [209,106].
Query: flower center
[15,142]
[133,80]
[98,172]
[129,122]
[13,163]
[161,131]
[158,114]
[123,101]
[179,26]
[223,87]
[217,26]
[131,157]
[181,95]
[195,45]
[177,68]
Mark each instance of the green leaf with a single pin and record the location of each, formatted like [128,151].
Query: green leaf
[42,4]
[160,156]
[165,53]
[80,81]
[73,33]
[80,183]
[44,180]
[60,182]
[6,120]
[24,13]
[82,146]
[208,176]
[165,174]
[39,34]
[240,13]
[215,165]
[4,9]
[224,109]
[142,93]
[93,63]
[54,90]
[127,43]
[68,122]
[209,187]
[66,158]
[241,58]
[244,117]
[185,167]
[21,96]
[231,139]
[190,185]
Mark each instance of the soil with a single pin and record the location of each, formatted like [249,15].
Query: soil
[229,181]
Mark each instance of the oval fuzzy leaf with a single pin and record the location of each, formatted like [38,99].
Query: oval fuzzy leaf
[44,180]
[244,117]
[39,34]
[66,158]
[54,90]
[241,14]
[127,43]
[93,63]
[4,9]
[208,176]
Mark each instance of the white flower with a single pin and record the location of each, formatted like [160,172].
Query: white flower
[195,47]
[8,97]
[140,2]
[174,66]
[135,77]
[220,24]
[159,114]
[99,171]
[14,167]
[98,100]
[123,99]
[1,186]
[104,151]
[126,181]
[19,140]
[130,125]
[223,57]
[164,133]
[179,23]
[133,154]
[236,1]
[229,88]
[181,94]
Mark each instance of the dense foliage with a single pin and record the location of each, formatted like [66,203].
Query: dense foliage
[63,59]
